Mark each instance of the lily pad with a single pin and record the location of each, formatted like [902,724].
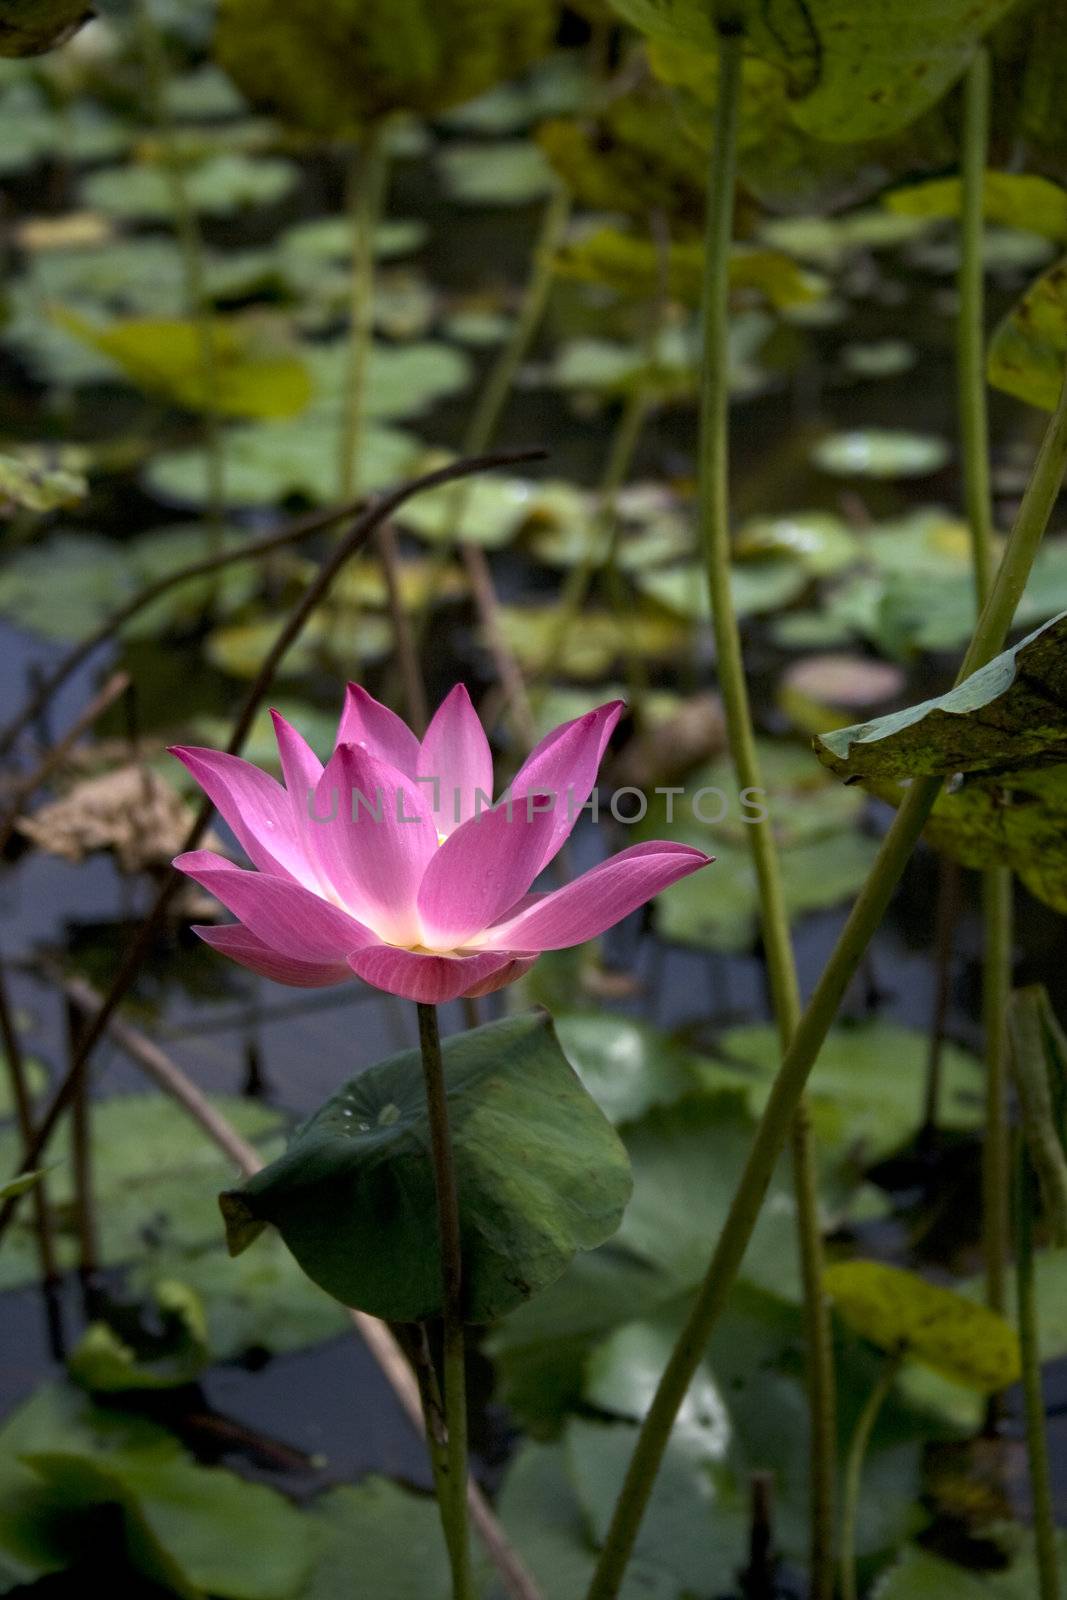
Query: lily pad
[541,1174]
[867,1089]
[194,1530]
[504,173]
[389,1536]
[121,1354]
[880,453]
[38,488]
[155,1175]
[898,1310]
[223,186]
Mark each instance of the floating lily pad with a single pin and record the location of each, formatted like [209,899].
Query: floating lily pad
[867,1089]
[121,1354]
[591,647]
[822,543]
[155,1175]
[191,1529]
[541,1174]
[504,173]
[390,1536]
[222,186]
[38,487]
[880,453]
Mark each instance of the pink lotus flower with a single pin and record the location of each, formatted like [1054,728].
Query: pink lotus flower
[391,863]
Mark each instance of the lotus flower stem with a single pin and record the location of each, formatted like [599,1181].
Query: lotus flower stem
[452,1476]
[863,921]
[1033,1397]
[857,1454]
[367,185]
[997,881]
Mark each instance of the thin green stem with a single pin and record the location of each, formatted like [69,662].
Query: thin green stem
[368,177]
[1033,1396]
[191,244]
[452,1473]
[815,1023]
[997,882]
[857,1454]
[774,914]
[998,921]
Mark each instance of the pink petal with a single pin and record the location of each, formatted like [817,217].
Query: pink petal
[287,917]
[241,946]
[565,764]
[500,980]
[430,979]
[301,767]
[257,809]
[373,837]
[481,871]
[376,729]
[598,899]
[455,753]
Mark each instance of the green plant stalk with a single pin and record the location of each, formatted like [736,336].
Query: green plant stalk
[857,1454]
[1033,1397]
[774,914]
[997,881]
[788,1088]
[368,178]
[451,1473]
[191,244]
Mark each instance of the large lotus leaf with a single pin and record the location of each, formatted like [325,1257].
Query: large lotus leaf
[898,1310]
[1009,714]
[388,1536]
[1028,349]
[30,27]
[541,1174]
[155,1177]
[195,1530]
[1012,819]
[333,66]
[1013,199]
[238,378]
[867,1089]
[855,71]
[632,159]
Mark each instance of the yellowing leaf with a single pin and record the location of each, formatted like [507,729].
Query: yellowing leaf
[1027,351]
[898,1310]
[1012,199]
[236,377]
[638,267]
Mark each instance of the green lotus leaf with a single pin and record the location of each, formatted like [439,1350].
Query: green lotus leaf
[1009,714]
[541,1175]
[1012,199]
